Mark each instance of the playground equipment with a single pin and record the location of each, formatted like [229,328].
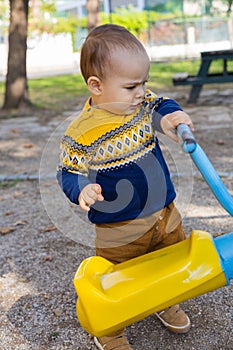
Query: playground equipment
[205,167]
[111,297]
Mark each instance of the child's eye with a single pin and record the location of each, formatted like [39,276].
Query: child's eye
[130,87]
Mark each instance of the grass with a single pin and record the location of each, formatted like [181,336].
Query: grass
[60,93]
[6,184]
[57,92]
[161,73]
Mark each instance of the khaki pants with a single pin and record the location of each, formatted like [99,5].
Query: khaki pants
[118,242]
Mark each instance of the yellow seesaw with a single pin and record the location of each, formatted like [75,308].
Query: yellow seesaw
[111,297]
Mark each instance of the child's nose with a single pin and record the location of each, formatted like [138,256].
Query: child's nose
[140,91]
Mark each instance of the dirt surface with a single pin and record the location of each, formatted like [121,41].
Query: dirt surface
[44,238]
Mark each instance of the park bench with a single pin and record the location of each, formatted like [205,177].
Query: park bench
[203,76]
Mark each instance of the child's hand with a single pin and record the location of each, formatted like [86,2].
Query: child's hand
[89,195]
[170,122]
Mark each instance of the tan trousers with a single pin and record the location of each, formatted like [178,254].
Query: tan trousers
[118,242]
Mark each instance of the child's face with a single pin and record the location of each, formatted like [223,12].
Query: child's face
[123,89]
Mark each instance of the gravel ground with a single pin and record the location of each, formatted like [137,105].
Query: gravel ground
[43,241]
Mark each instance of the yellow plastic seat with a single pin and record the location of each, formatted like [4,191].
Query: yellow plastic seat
[111,296]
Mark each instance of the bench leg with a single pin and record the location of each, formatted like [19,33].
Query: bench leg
[202,73]
[194,93]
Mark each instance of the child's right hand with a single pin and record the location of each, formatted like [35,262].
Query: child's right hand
[89,195]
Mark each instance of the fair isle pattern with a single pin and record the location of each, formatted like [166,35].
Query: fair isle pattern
[116,148]
[126,145]
[74,157]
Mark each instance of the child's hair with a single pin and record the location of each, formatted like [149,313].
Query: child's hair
[100,43]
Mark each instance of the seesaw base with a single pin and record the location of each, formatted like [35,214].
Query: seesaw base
[111,297]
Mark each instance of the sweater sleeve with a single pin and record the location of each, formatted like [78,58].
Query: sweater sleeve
[162,107]
[73,169]
[71,184]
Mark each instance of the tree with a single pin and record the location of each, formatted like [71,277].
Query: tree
[229,6]
[16,89]
[93,14]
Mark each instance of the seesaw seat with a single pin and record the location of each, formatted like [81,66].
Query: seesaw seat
[111,296]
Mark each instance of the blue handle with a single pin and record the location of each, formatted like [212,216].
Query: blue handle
[205,167]
[223,245]
[187,138]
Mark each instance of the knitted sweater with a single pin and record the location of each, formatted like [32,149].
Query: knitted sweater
[122,154]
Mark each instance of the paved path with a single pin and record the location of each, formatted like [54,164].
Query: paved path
[46,238]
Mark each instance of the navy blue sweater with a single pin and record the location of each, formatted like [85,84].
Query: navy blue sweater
[123,155]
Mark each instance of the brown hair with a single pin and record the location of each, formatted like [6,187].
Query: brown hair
[100,43]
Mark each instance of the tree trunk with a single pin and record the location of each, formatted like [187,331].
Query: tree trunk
[229,3]
[16,90]
[93,14]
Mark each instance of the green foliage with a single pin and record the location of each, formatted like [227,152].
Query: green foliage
[135,21]
[229,4]
[208,6]
[4,9]
[48,6]
[4,17]
[53,23]
[171,6]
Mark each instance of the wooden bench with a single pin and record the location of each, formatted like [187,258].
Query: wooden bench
[203,76]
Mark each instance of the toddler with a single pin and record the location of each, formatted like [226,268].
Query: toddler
[111,163]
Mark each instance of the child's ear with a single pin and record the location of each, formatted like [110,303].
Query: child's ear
[94,85]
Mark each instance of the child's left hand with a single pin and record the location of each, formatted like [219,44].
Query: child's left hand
[170,122]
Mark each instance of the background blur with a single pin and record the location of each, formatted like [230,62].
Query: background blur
[170,30]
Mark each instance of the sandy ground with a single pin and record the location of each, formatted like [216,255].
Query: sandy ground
[44,238]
